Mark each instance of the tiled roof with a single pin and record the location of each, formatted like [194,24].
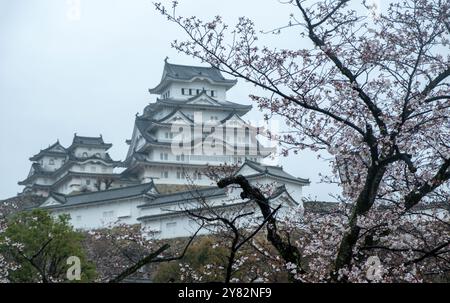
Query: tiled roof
[176,213]
[275,171]
[39,172]
[186,196]
[186,73]
[320,207]
[88,141]
[104,195]
[56,149]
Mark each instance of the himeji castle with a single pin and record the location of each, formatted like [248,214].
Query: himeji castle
[189,130]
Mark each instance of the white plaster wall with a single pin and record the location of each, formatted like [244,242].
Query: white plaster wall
[45,163]
[168,228]
[90,167]
[88,217]
[154,172]
[91,151]
[185,226]
[175,89]
[77,184]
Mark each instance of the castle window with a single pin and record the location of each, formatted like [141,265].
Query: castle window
[182,91]
[179,174]
[212,93]
[180,157]
[51,162]
[198,92]
[164,174]
[88,182]
[166,94]
[190,92]
[171,224]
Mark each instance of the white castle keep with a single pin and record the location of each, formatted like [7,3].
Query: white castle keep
[189,130]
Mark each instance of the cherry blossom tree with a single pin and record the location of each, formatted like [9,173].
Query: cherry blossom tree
[5,265]
[124,251]
[374,94]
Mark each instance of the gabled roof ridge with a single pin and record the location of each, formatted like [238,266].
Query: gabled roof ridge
[278,191]
[185,102]
[53,145]
[187,73]
[203,92]
[87,140]
[171,114]
[88,137]
[184,65]
[58,196]
[260,165]
[268,169]
[281,190]
[48,149]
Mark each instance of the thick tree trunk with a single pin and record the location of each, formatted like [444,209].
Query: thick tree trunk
[288,252]
[363,204]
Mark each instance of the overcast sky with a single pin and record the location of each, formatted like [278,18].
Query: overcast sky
[60,74]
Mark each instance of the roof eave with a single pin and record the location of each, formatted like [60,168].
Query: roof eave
[158,89]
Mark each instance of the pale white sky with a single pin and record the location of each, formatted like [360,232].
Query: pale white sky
[59,76]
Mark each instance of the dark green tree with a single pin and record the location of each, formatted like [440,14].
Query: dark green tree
[40,245]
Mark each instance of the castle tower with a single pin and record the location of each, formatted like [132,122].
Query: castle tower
[84,166]
[191,126]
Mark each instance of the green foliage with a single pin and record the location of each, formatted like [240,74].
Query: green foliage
[199,255]
[207,258]
[40,245]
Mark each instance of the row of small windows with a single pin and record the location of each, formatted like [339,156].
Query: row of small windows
[180,175]
[85,155]
[192,92]
[165,156]
[166,94]
[170,135]
[92,169]
[52,162]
